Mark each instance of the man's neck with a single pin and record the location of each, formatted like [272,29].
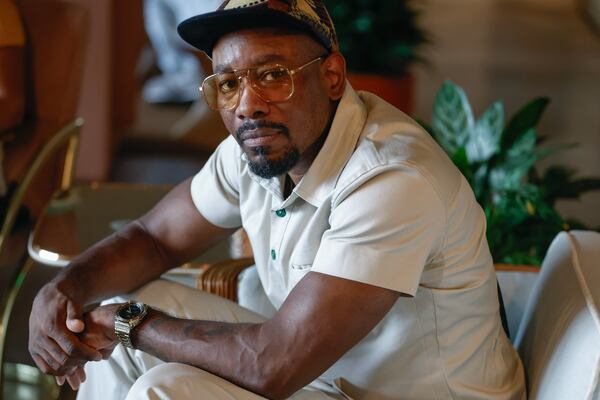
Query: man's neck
[307,158]
[288,186]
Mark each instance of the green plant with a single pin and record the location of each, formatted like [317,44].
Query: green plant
[377,36]
[498,161]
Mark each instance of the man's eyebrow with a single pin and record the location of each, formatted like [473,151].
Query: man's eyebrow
[262,60]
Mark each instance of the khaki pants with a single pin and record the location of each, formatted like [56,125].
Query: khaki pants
[133,374]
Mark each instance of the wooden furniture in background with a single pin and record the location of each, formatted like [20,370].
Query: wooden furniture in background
[56,33]
[65,139]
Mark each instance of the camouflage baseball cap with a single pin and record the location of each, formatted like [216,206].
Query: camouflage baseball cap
[310,16]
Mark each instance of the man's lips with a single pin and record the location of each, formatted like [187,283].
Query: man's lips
[260,137]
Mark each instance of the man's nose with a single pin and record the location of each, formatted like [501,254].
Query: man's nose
[250,105]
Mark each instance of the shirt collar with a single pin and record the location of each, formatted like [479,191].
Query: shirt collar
[348,123]
[320,179]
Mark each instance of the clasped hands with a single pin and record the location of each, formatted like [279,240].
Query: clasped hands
[62,338]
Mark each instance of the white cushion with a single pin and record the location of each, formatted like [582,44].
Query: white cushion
[516,289]
[559,337]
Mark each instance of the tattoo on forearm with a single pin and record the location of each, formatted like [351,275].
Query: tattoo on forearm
[190,329]
[217,328]
[155,325]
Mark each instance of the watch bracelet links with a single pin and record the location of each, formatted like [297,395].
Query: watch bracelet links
[123,332]
[124,339]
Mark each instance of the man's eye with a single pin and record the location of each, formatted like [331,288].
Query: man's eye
[228,85]
[274,75]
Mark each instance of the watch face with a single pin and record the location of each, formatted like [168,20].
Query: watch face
[131,310]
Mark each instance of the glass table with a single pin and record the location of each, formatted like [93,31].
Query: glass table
[75,220]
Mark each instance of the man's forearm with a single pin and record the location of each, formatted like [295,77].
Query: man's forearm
[240,353]
[118,264]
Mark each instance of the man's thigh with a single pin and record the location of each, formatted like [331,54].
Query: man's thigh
[185,302]
[174,381]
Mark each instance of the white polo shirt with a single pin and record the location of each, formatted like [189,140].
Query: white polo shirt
[381,204]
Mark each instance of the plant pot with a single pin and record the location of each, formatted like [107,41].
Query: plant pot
[396,91]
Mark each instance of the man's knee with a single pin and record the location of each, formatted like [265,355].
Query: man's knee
[180,381]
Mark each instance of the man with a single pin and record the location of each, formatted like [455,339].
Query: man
[366,238]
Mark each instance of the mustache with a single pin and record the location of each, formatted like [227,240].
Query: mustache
[252,125]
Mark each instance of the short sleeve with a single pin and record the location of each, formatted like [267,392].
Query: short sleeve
[384,231]
[11,27]
[215,189]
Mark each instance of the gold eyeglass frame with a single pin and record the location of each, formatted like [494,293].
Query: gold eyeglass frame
[245,72]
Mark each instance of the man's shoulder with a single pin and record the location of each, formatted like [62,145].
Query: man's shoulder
[391,140]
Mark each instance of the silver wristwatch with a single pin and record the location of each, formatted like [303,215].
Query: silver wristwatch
[128,316]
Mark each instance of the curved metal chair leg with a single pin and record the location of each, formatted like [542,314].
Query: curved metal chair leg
[66,137]
[17,372]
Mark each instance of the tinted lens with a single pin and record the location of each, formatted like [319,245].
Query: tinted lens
[274,83]
[221,91]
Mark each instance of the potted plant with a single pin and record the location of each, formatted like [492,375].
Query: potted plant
[379,39]
[498,161]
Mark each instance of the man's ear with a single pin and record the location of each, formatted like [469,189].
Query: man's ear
[334,73]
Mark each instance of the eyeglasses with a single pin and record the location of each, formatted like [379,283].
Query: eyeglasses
[272,83]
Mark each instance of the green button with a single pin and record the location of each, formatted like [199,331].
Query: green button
[281,213]
[273,254]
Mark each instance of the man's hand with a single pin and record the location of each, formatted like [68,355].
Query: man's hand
[100,329]
[53,343]
[99,334]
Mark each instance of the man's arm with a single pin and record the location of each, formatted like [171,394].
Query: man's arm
[12,87]
[170,234]
[322,318]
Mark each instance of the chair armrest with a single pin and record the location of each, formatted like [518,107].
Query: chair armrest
[222,278]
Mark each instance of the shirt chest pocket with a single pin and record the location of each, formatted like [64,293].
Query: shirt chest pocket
[300,264]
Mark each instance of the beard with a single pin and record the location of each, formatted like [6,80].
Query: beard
[262,165]
[266,168]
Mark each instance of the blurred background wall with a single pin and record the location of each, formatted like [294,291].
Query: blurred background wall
[515,50]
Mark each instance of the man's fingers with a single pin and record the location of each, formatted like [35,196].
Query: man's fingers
[76,378]
[75,318]
[41,364]
[50,347]
[81,373]
[74,348]
[60,380]
[73,381]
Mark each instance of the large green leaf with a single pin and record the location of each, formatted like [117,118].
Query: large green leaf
[559,183]
[452,120]
[526,119]
[484,141]
[511,170]
[509,175]
[459,158]
[523,147]
[550,150]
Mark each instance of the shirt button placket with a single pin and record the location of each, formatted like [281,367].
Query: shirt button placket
[278,230]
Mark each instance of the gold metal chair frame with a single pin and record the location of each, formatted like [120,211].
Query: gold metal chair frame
[67,136]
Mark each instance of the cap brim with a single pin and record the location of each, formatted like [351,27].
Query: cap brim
[203,31]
